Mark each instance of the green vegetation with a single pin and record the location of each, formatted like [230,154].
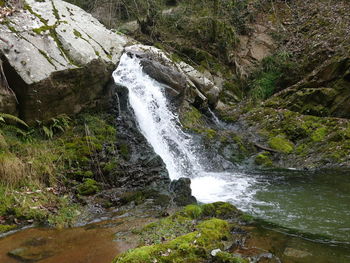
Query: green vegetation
[186,236]
[6,228]
[35,162]
[88,187]
[281,144]
[264,159]
[291,132]
[192,118]
[275,72]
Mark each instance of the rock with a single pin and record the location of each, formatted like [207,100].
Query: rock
[296,253]
[215,251]
[165,74]
[140,167]
[8,101]
[324,92]
[57,58]
[183,78]
[182,191]
[259,51]
[206,86]
[25,254]
[129,27]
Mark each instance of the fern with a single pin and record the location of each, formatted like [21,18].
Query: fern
[4,116]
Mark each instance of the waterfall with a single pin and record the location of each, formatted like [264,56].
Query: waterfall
[259,194]
[157,122]
[162,129]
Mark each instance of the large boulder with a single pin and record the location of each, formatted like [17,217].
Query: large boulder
[57,58]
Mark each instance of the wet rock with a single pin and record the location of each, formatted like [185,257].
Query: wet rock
[164,74]
[140,166]
[25,254]
[183,78]
[182,192]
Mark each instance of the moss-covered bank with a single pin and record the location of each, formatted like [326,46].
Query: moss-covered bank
[190,235]
[45,167]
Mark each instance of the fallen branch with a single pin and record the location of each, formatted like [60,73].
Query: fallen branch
[265,148]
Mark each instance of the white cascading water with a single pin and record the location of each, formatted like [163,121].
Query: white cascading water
[162,129]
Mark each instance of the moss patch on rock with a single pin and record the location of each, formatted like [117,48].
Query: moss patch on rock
[306,140]
[88,187]
[281,144]
[187,236]
[264,159]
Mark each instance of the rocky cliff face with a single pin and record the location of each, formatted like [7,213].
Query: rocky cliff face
[57,58]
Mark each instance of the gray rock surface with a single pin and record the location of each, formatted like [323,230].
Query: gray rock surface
[179,76]
[57,58]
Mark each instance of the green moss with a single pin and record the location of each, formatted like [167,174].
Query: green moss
[192,118]
[110,166]
[280,143]
[77,33]
[138,197]
[6,228]
[247,218]
[88,187]
[208,133]
[192,247]
[263,159]
[55,11]
[225,257]
[319,134]
[34,163]
[30,10]
[66,214]
[44,28]
[193,211]
[219,210]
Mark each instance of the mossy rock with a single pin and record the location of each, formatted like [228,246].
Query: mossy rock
[88,187]
[193,211]
[220,210]
[139,197]
[319,134]
[192,119]
[192,247]
[263,159]
[281,144]
[225,257]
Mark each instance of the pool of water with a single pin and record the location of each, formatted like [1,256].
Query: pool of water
[313,203]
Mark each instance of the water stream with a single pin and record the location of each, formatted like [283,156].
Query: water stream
[314,203]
